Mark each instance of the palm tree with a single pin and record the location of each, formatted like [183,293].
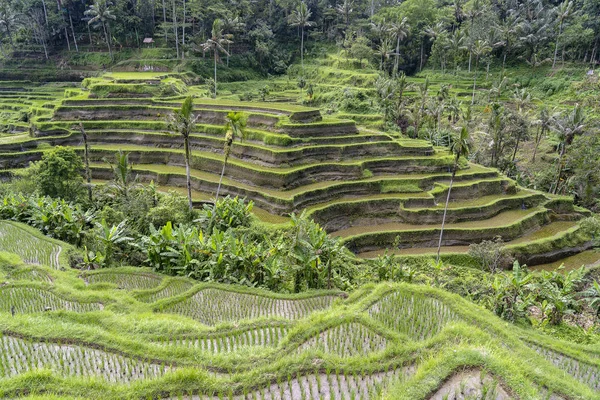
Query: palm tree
[216,44]
[434,31]
[383,51]
[544,124]
[400,31]
[460,148]
[183,121]
[231,25]
[301,18]
[563,11]
[236,127]
[345,9]
[456,44]
[100,15]
[480,48]
[86,157]
[8,19]
[567,128]
[507,30]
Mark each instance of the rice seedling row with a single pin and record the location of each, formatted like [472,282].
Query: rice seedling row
[124,280]
[471,384]
[583,372]
[213,306]
[24,300]
[418,317]
[31,249]
[267,336]
[19,356]
[31,274]
[346,340]
[173,288]
[331,385]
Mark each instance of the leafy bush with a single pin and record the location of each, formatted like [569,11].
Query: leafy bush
[227,213]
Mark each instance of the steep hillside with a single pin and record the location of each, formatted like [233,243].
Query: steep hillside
[129,333]
[370,188]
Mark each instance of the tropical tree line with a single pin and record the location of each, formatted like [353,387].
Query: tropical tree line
[448,35]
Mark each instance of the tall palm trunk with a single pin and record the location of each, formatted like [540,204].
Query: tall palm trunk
[188,180]
[445,212]
[563,150]
[107,41]
[73,32]
[183,32]
[175,29]
[302,49]
[165,20]
[560,27]
[475,81]
[215,91]
[221,178]
[397,63]
[86,156]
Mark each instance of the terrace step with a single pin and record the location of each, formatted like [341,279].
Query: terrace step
[508,224]
[381,209]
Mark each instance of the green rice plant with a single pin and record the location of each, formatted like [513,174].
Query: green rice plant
[31,274]
[227,342]
[31,249]
[173,288]
[346,340]
[213,306]
[582,371]
[23,300]
[417,316]
[18,356]
[125,280]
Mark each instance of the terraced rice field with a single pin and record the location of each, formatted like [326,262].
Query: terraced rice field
[31,249]
[168,338]
[365,186]
[213,306]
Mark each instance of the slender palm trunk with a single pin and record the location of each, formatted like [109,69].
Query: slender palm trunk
[302,49]
[215,91]
[560,27]
[221,179]
[175,28]
[397,63]
[474,85]
[89,34]
[73,32]
[188,181]
[107,41]
[563,150]
[45,11]
[183,31]
[437,260]
[421,63]
[165,20]
[86,156]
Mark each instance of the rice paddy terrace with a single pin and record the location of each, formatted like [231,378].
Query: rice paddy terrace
[364,186]
[129,333]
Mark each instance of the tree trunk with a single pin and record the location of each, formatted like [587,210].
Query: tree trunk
[538,139]
[45,11]
[221,180]
[86,156]
[107,41]
[188,181]
[445,212]
[516,148]
[90,35]
[175,28]
[183,32]
[215,91]
[421,63]
[165,21]
[73,32]
[397,63]
[560,166]
[302,49]
[556,47]
[474,84]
